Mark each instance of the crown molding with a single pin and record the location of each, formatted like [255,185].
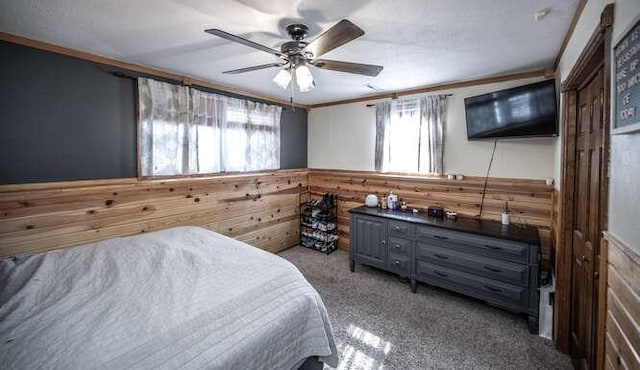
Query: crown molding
[545,73]
[567,36]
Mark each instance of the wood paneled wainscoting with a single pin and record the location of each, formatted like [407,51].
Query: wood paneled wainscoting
[622,339]
[530,201]
[261,209]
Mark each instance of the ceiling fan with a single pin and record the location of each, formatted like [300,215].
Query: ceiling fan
[296,55]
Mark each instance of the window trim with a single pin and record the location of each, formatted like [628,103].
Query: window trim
[217,174]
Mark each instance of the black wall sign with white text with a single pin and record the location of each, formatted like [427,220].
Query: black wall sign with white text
[626,58]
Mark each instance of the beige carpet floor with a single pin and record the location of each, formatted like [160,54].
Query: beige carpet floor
[379,324]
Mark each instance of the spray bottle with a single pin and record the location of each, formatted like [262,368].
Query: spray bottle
[505,214]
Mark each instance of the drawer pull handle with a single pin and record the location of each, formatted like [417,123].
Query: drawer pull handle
[493,289]
[398,228]
[397,246]
[383,242]
[440,237]
[442,274]
[397,263]
[441,256]
[491,246]
[492,269]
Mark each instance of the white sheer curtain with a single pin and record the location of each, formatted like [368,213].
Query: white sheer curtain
[401,141]
[263,132]
[210,133]
[163,128]
[433,113]
[409,135]
[208,115]
[248,133]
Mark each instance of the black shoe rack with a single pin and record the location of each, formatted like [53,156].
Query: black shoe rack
[319,221]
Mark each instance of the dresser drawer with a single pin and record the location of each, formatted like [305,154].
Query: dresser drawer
[476,244]
[508,272]
[399,264]
[399,246]
[499,293]
[400,228]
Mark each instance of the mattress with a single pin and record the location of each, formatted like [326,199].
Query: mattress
[178,298]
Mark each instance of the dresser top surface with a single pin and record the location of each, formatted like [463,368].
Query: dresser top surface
[524,234]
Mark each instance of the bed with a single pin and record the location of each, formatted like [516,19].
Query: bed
[178,298]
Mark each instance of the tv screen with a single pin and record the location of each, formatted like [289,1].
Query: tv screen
[524,111]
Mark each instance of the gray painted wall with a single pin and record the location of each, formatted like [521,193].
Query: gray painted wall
[293,138]
[68,119]
[63,119]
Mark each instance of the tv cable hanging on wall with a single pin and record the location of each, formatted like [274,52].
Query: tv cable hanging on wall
[486,178]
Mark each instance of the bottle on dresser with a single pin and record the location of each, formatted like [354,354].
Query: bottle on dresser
[505,214]
[392,201]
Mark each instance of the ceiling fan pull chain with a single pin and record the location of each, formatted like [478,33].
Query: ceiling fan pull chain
[292,71]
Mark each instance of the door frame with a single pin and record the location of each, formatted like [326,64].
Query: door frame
[596,52]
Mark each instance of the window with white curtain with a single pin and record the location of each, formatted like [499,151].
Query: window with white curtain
[184,131]
[409,135]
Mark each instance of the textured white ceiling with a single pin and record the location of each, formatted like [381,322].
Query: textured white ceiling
[419,42]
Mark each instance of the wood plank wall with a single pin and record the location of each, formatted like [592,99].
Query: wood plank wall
[260,209]
[530,201]
[622,348]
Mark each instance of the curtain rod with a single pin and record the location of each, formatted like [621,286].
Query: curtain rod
[136,75]
[373,105]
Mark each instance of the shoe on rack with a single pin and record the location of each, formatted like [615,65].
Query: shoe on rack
[327,202]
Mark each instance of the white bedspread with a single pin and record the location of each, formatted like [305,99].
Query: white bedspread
[178,298]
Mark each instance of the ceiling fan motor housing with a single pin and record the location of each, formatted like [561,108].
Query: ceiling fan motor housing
[297,31]
[294,49]
[291,48]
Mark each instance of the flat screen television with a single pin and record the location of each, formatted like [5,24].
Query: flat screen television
[524,111]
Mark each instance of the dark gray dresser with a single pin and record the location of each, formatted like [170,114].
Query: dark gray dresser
[482,259]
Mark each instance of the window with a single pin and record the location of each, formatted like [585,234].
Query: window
[409,135]
[184,131]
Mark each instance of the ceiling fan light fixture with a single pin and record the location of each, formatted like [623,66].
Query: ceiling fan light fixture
[304,78]
[298,54]
[282,78]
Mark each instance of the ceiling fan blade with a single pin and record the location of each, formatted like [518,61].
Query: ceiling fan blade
[343,32]
[243,41]
[357,68]
[254,68]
